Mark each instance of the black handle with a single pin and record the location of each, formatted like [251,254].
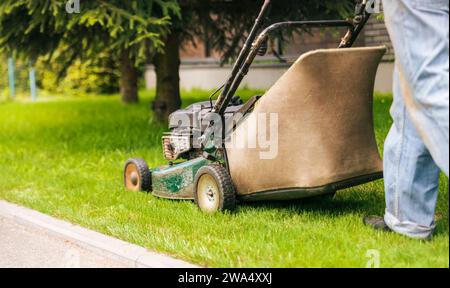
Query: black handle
[224,99]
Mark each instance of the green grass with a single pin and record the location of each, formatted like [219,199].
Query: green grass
[64,157]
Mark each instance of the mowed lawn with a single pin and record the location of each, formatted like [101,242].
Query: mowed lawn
[64,157]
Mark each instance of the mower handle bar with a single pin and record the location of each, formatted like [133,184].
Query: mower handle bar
[262,38]
[222,100]
[250,49]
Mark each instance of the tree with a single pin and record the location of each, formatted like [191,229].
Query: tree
[126,30]
[222,26]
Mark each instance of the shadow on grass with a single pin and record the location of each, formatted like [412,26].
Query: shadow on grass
[321,205]
[372,205]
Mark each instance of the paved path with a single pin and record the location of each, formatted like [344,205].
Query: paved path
[31,239]
[26,247]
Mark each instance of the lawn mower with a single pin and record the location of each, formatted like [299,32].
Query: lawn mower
[324,110]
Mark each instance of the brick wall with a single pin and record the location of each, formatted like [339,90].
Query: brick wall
[376,34]
[317,39]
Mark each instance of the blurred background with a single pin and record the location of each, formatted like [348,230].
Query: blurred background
[79,47]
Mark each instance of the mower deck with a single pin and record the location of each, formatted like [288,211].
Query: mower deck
[177,181]
[300,193]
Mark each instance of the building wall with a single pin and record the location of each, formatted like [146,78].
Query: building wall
[376,34]
[210,77]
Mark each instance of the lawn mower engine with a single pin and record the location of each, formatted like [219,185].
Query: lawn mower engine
[187,125]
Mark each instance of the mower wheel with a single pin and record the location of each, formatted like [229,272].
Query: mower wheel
[137,176]
[214,190]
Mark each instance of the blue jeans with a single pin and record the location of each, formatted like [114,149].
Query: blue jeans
[417,147]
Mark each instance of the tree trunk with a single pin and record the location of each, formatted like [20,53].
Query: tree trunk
[167,68]
[128,78]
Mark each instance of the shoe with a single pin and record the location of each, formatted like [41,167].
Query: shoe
[376,222]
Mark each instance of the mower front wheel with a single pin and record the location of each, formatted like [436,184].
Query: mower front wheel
[214,189]
[137,176]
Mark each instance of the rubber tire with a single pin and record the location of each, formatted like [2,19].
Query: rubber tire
[145,176]
[227,192]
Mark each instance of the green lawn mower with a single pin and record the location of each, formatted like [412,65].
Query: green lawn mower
[322,112]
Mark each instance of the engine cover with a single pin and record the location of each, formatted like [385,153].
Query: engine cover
[185,123]
[192,116]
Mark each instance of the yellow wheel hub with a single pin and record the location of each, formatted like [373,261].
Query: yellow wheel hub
[208,193]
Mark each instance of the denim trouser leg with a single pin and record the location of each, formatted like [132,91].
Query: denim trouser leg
[417,147]
[411,176]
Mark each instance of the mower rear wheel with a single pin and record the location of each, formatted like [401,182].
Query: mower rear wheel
[137,176]
[214,189]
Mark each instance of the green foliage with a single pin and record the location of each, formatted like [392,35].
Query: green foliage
[32,28]
[88,45]
[4,77]
[99,76]
[134,25]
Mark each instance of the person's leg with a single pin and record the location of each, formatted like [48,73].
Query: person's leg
[419,30]
[420,112]
[411,175]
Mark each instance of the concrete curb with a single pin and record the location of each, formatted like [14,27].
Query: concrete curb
[133,255]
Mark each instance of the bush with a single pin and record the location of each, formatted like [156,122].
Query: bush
[100,77]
